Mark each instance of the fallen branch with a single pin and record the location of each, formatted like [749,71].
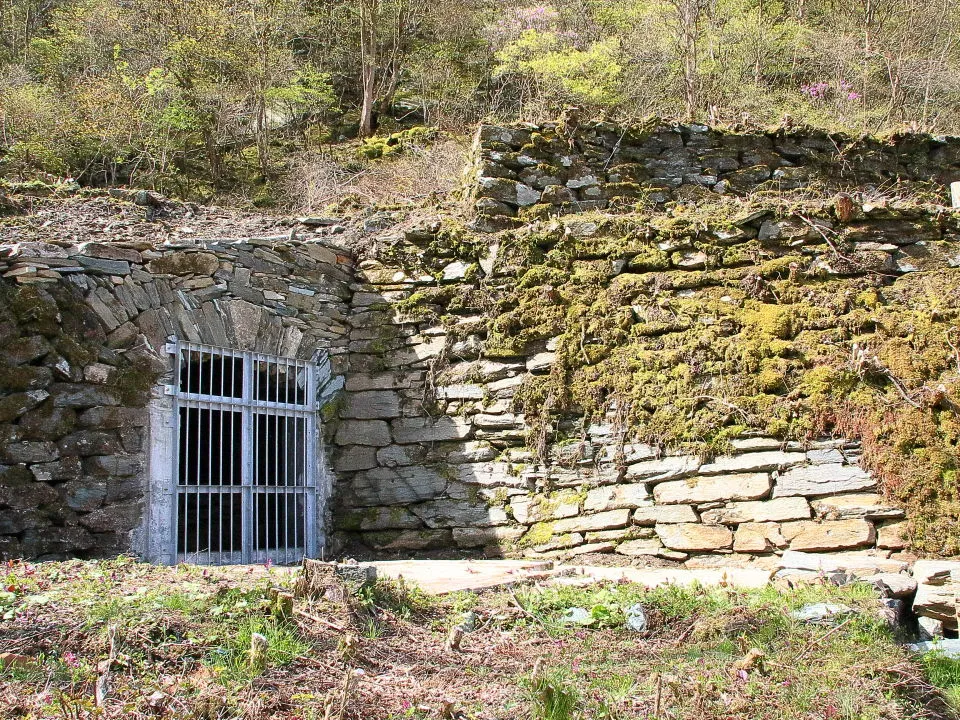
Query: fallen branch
[816,641]
[526,612]
[319,620]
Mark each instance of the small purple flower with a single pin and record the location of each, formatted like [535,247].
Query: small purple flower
[743,675]
[853,96]
[71,660]
[816,91]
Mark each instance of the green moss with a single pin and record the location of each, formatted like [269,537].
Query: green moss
[775,321]
[538,534]
[135,381]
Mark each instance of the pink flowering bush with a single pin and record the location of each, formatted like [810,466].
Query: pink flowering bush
[822,91]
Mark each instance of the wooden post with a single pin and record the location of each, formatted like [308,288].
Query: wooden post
[955,193]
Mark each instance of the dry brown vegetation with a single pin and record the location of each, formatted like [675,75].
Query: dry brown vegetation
[120,639]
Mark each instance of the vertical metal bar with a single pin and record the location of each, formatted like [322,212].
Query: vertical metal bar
[247,468]
[175,525]
[310,531]
[276,462]
[286,467]
[221,446]
[186,462]
[198,461]
[233,380]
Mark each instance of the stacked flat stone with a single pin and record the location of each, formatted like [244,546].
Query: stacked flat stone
[82,347]
[456,472]
[518,169]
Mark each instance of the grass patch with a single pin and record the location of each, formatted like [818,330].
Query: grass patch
[944,673]
[708,653]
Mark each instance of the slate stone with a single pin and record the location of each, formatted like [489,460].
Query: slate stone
[614,497]
[68,468]
[185,263]
[383,518]
[363,432]
[538,508]
[408,540]
[664,514]
[695,537]
[893,536]
[752,462]
[640,548]
[85,495]
[26,496]
[16,404]
[83,396]
[25,350]
[667,468]
[601,521]
[103,266]
[500,536]
[748,486]
[423,429]
[397,486]
[856,505]
[115,518]
[89,442]
[817,480]
[792,508]
[48,422]
[30,452]
[114,466]
[446,513]
[758,537]
[371,405]
[355,457]
[829,535]
[40,542]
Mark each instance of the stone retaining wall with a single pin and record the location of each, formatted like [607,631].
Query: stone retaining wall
[83,330]
[485,406]
[524,172]
[455,328]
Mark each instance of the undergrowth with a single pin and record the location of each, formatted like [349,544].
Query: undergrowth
[183,637]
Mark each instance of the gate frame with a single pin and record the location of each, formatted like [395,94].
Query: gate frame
[250,407]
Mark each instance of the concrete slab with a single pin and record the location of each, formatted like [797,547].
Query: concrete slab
[439,577]
[656,577]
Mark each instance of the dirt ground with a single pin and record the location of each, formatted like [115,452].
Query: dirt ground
[121,639]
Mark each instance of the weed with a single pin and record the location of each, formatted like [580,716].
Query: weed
[398,596]
[284,644]
[552,695]
[944,672]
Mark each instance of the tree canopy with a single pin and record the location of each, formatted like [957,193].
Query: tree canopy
[189,95]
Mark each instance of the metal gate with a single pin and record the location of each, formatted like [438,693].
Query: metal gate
[245,457]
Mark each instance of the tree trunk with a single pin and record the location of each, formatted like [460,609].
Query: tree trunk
[368,64]
[688,17]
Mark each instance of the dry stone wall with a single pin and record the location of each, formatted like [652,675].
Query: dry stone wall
[610,355]
[525,172]
[83,329]
[454,330]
